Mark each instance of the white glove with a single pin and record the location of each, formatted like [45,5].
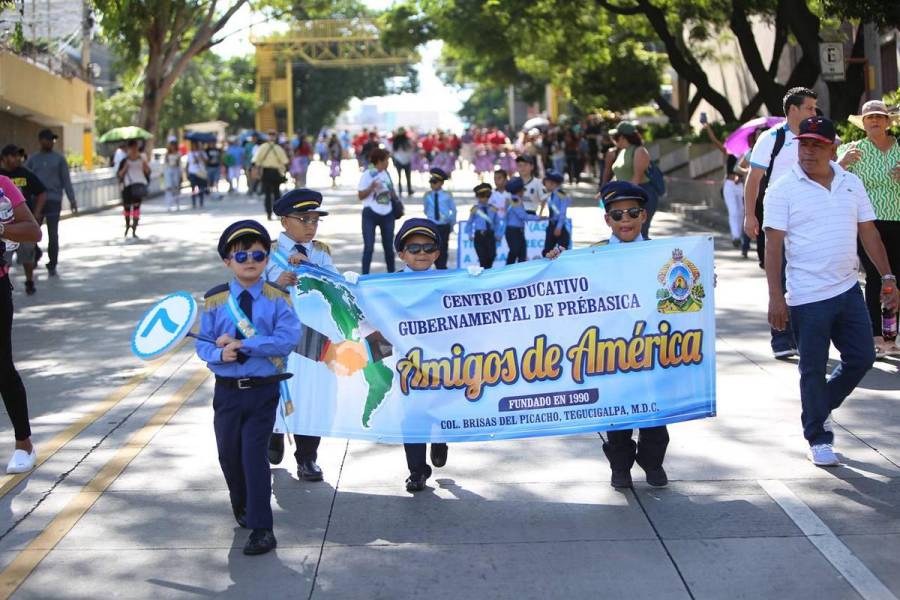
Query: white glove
[474,270]
[352,277]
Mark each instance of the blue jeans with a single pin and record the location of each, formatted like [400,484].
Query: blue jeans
[844,321]
[783,340]
[371,220]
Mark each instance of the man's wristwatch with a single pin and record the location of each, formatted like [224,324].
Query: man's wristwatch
[888,277]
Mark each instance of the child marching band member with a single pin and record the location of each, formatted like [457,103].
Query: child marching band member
[300,212]
[558,233]
[483,226]
[625,215]
[255,328]
[441,209]
[418,245]
[516,216]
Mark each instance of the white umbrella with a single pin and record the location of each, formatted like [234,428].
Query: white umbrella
[536,122]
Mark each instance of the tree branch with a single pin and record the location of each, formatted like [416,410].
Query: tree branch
[619,10]
[667,108]
[765,82]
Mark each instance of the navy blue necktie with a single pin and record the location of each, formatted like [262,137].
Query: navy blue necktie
[245,301]
[299,248]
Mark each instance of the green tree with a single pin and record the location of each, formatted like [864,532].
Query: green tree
[486,106]
[209,89]
[529,43]
[321,94]
[161,37]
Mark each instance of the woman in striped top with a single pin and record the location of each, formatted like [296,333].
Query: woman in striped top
[876,161]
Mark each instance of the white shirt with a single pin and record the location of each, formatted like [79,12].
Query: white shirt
[499,200]
[820,228]
[379,200]
[531,195]
[195,163]
[762,152]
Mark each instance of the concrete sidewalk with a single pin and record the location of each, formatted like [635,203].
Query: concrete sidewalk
[746,515]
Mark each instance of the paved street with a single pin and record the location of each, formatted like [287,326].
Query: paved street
[132,504]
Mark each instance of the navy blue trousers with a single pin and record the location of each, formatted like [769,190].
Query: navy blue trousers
[243,421]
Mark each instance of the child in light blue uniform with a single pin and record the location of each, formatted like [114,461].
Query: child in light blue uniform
[558,233]
[441,209]
[516,217]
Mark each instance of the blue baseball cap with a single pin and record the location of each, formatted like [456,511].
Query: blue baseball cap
[515,185]
[553,176]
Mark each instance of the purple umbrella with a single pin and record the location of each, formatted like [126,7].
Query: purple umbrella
[737,143]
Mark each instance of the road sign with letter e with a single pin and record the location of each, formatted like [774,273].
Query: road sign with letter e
[831,56]
[165,324]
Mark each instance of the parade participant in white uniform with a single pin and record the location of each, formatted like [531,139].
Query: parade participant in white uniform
[534,189]
[300,212]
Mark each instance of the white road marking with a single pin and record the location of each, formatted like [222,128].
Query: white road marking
[832,548]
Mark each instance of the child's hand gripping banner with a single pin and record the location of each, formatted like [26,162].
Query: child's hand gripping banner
[607,337]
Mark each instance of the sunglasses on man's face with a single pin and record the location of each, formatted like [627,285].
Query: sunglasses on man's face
[243,255]
[434,181]
[420,248]
[307,220]
[633,213]
[483,195]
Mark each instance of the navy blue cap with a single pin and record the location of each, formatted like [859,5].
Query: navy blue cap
[526,158]
[615,191]
[515,185]
[299,201]
[439,174]
[817,128]
[46,134]
[482,187]
[553,176]
[237,230]
[415,226]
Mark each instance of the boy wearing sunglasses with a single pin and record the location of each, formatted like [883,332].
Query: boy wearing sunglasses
[625,215]
[300,213]
[441,209]
[484,225]
[254,327]
[418,244]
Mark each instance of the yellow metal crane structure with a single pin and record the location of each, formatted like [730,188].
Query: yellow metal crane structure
[324,43]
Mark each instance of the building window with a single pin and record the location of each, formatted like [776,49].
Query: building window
[280,67]
[265,91]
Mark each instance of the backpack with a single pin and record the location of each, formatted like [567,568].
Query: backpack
[656,179]
[780,137]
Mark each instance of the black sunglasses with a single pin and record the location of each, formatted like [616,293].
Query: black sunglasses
[243,255]
[617,213]
[419,248]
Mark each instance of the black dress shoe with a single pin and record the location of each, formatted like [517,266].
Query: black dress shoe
[621,479]
[240,515]
[657,477]
[439,455]
[416,482]
[276,448]
[260,542]
[308,470]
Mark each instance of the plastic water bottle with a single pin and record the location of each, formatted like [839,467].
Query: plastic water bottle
[888,324]
[6,217]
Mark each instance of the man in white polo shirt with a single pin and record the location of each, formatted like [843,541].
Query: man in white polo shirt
[815,212]
[773,155]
